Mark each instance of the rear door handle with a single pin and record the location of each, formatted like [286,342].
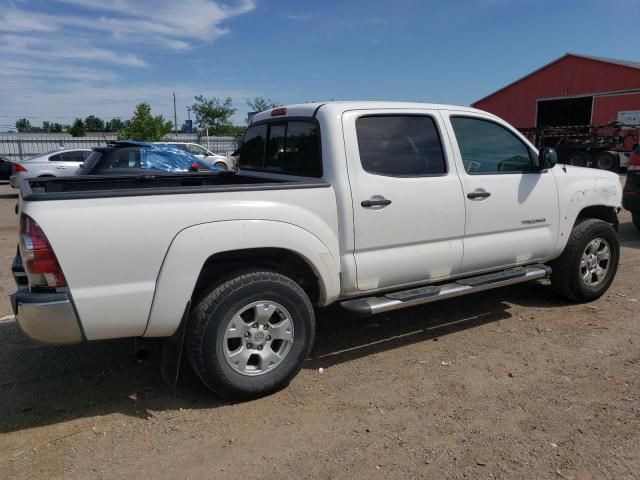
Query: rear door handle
[474,195]
[375,202]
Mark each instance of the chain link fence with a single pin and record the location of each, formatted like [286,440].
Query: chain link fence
[20,146]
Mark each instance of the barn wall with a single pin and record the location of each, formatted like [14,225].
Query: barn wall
[569,76]
[606,108]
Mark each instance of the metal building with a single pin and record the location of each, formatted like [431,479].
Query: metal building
[572,90]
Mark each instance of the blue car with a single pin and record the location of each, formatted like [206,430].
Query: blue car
[130,157]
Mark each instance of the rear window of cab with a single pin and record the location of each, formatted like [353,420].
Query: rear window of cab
[285,147]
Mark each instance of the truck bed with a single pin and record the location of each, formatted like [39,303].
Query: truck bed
[39,189]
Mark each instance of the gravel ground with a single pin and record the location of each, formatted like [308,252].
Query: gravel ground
[514,383]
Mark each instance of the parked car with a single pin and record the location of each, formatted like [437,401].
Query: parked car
[376,205]
[220,161]
[59,163]
[127,157]
[6,168]
[631,193]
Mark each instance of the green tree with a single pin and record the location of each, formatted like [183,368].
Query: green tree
[56,128]
[145,127]
[114,125]
[213,114]
[260,104]
[23,125]
[94,124]
[46,126]
[78,128]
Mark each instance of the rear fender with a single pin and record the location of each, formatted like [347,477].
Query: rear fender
[192,247]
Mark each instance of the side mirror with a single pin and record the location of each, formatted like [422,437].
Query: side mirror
[547,158]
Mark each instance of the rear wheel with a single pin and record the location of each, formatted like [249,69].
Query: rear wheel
[635,217]
[579,159]
[250,334]
[607,161]
[588,263]
[221,166]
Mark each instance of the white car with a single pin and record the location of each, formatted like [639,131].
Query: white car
[220,161]
[375,206]
[59,163]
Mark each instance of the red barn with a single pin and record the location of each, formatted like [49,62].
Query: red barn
[572,90]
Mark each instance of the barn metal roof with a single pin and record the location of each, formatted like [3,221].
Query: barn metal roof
[614,61]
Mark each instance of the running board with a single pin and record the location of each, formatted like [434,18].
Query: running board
[417,296]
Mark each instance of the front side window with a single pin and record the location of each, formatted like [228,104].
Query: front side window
[290,148]
[400,145]
[487,147]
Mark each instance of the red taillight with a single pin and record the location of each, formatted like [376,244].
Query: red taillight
[39,261]
[276,112]
[195,167]
[17,168]
[634,162]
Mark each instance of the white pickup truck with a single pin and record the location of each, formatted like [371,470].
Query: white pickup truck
[376,205]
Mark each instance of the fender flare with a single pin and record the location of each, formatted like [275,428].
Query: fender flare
[192,246]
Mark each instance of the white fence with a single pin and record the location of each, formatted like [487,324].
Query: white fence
[19,146]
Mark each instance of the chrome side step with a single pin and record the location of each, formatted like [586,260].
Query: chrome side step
[417,296]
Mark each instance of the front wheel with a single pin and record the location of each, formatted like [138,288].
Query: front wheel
[250,334]
[588,263]
[221,166]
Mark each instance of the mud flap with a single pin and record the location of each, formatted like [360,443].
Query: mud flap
[172,349]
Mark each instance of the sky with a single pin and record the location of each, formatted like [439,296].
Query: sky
[62,59]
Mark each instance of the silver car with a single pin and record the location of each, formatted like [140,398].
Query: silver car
[60,163]
[220,161]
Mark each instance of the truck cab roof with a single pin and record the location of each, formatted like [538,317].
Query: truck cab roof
[312,109]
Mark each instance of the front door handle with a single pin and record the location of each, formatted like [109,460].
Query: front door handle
[375,202]
[474,195]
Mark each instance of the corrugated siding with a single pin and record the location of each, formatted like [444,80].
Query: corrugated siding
[569,76]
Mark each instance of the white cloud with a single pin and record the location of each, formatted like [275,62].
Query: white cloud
[62,64]
[58,49]
[167,19]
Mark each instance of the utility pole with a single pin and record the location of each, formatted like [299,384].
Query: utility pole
[175,114]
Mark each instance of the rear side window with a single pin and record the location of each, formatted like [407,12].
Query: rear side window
[487,147]
[77,156]
[291,148]
[400,145]
[252,150]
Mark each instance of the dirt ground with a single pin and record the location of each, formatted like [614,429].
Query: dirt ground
[514,383]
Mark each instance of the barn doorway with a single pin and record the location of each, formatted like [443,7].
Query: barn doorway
[565,111]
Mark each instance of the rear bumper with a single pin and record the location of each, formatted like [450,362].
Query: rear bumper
[44,317]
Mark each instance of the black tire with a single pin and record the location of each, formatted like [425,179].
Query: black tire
[566,270]
[607,161]
[221,166]
[579,159]
[635,218]
[206,343]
